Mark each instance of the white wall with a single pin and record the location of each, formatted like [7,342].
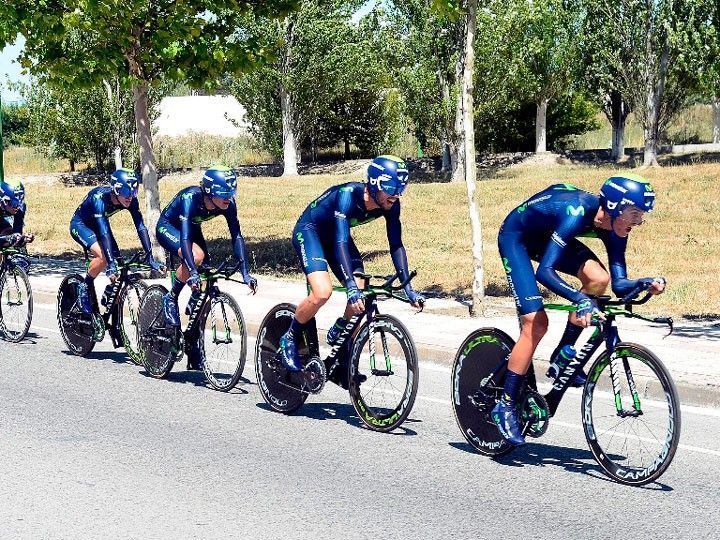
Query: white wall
[204,114]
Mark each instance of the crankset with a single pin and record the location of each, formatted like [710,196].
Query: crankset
[534,414]
[310,380]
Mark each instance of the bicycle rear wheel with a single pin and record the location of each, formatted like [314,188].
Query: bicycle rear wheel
[76,327]
[223,341]
[16,304]
[271,375]
[477,381]
[631,414]
[128,313]
[159,342]
[384,400]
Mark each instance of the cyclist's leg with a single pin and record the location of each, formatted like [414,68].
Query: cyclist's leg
[6,228]
[357,266]
[310,251]
[533,326]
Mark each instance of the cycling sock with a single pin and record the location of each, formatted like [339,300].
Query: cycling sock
[570,336]
[513,385]
[296,327]
[177,287]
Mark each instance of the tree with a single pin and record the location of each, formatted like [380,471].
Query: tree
[657,66]
[710,76]
[15,122]
[82,42]
[546,42]
[328,81]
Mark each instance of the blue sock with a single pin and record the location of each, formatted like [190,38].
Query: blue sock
[177,287]
[295,327]
[513,385]
[89,280]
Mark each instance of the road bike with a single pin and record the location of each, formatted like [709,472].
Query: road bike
[81,331]
[374,359]
[630,407]
[216,326]
[16,299]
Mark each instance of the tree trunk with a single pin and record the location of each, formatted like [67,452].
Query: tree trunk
[148,169]
[618,114]
[118,158]
[655,94]
[347,149]
[446,158]
[470,167]
[72,165]
[457,141]
[716,119]
[541,126]
[289,144]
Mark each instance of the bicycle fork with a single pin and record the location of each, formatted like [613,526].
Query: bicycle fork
[371,346]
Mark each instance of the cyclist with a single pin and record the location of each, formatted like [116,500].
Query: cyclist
[90,228]
[12,215]
[179,231]
[322,240]
[545,229]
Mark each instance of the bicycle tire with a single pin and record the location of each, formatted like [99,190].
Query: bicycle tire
[603,451]
[226,379]
[76,328]
[481,352]
[131,343]
[269,373]
[158,342]
[384,415]
[14,275]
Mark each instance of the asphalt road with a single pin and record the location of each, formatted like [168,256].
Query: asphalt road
[91,447]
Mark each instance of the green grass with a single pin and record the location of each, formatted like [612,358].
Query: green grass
[680,241]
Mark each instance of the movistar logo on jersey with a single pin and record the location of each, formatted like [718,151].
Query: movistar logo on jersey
[566,187]
[575,210]
[98,195]
[506,265]
[300,238]
[187,195]
[522,208]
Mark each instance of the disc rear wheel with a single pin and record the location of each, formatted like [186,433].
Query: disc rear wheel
[77,328]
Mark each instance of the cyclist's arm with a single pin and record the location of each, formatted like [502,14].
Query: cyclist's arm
[19,219]
[620,283]
[393,227]
[546,273]
[342,236]
[103,230]
[6,241]
[238,242]
[140,226]
[186,235]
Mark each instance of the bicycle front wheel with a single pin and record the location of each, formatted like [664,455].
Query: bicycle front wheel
[631,414]
[387,357]
[223,340]
[128,312]
[159,343]
[16,304]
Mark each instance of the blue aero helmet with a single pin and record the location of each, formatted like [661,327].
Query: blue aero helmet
[621,191]
[124,183]
[219,182]
[12,194]
[388,174]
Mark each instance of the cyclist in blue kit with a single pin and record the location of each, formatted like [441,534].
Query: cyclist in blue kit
[179,231]
[90,228]
[545,229]
[322,241]
[12,214]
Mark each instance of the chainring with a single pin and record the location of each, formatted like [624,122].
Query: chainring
[314,376]
[534,414]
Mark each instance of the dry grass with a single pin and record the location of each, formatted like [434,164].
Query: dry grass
[25,160]
[692,125]
[680,241]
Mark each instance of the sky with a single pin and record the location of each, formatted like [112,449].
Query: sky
[10,69]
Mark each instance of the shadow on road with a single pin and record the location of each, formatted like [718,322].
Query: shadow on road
[197,378]
[543,455]
[337,411]
[114,356]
